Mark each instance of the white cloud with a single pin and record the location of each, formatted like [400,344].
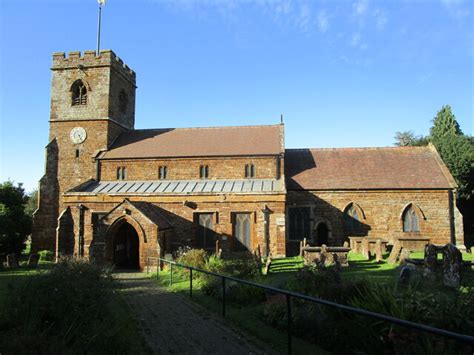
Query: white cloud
[380,19]
[355,40]
[360,7]
[322,21]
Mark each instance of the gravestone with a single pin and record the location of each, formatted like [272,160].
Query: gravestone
[346,244]
[452,259]
[12,261]
[405,275]
[33,260]
[365,251]
[396,249]
[430,263]
[378,250]
[404,254]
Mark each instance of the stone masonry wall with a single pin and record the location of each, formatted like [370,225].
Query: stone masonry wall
[182,217]
[188,168]
[382,210]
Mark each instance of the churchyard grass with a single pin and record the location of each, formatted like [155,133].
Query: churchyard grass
[366,284]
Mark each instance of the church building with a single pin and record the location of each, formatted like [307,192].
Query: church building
[119,195]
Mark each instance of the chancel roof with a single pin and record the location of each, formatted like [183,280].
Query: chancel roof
[366,168]
[198,142]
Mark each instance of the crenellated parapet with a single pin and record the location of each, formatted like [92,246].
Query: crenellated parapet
[89,59]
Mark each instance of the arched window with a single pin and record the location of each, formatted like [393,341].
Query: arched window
[352,218]
[79,93]
[411,222]
[123,101]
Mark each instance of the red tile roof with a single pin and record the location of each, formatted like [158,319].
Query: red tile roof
[366,168]
[198,142]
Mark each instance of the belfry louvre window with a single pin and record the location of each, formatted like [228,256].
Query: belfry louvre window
[204,171]
[121,173]
[162,172]
[410,220]
[79,93]
[249,171]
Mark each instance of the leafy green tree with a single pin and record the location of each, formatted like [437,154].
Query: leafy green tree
[444,124]
[456,150]
[15,224]
[32,203]
[408,138]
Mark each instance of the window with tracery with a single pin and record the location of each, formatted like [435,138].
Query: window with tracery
[162,172]
[79,93]
[204,171]
[121,173]
[411,222]
[352,219]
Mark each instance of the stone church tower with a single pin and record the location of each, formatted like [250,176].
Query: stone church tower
[92,102]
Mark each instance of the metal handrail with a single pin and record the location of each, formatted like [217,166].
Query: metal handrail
[408,324]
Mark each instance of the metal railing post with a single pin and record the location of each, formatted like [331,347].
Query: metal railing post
[288,313]
[191,283]
[171,274]
[223,296]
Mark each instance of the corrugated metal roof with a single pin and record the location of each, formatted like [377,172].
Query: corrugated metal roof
[248,186]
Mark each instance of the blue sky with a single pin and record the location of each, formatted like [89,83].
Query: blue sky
[343,73]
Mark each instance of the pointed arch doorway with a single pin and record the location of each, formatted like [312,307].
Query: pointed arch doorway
[126,248]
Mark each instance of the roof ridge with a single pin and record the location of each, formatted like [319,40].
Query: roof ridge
[209,127]
[361,148]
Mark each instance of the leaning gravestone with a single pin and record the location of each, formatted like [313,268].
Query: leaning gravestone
[378,250]
[33,260]
[397,247]
[452,259]
[12,261]
[405,254]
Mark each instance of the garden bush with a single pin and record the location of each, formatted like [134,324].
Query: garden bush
[69,309]
[46,255]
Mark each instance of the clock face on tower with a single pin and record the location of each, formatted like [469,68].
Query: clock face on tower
[78,135]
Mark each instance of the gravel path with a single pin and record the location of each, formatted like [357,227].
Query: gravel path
[172,324]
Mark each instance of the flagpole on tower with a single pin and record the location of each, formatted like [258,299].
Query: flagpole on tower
[101,3]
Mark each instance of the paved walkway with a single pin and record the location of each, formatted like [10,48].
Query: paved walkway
[173,324]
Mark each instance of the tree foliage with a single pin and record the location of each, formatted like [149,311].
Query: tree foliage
[32,203]
[408,138]
[15,224]
[455,148]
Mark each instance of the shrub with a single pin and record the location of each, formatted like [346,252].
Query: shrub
[46,255]
[66,310]
[193,257]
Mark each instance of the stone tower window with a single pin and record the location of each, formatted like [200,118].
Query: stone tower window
[123,101]
[79,93]
[410,220]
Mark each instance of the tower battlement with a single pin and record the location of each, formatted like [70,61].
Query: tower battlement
[89,59]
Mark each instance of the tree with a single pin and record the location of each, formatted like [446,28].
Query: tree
[408,138]
[32,203]
[456,150]
[444,124]
[15,224]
